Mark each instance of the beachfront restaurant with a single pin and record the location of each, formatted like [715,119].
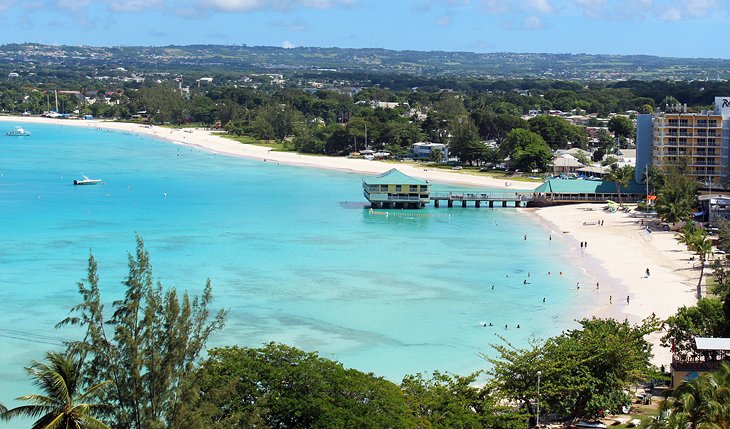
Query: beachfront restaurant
[561,191]
[711,352]
[394,189]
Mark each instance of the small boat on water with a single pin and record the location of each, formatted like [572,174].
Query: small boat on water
[18,131]
[86,181]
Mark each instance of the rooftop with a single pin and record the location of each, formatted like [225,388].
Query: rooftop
[393,177]
[712,343]
[561,186]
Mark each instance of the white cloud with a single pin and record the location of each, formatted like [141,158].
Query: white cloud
[250,5]
[591,8]
[444,21]
[532,22]
[700,8]
[133,5]
[72,4]
[671,14]
[541,6]
[288,45]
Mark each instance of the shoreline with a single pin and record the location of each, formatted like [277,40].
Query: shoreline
[617,255]
[210,142]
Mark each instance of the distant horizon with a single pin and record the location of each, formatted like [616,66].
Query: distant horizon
[662,28]
[248,45]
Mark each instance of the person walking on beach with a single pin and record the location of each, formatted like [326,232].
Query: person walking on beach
[610,299]
[647,272]
[628,299]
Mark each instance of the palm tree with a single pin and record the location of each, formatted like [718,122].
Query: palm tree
[696,241]
[60,406]
[701,403]
[621,177]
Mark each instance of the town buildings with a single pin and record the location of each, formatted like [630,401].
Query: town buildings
[697,141]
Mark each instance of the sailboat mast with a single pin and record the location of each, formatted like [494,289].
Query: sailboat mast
[56,92]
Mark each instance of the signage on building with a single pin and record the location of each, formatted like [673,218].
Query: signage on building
[722,106]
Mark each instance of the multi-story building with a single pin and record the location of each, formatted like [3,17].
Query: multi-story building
[698,141]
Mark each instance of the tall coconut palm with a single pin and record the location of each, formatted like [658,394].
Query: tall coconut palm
[621,177]
[696,241]
[61,406]
[701,403]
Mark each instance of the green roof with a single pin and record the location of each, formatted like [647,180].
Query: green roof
[393,177]
[563,186]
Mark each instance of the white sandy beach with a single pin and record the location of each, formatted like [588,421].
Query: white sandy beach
[207,140]
[617,254]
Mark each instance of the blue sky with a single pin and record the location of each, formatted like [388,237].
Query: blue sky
[678,28]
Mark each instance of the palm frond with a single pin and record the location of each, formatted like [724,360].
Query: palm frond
[31,411]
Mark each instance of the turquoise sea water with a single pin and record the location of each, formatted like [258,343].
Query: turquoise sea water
[291,252]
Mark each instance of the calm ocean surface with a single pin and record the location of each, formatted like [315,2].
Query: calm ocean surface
[290,252]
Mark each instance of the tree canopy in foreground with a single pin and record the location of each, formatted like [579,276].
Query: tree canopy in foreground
[583,371]
[147,346]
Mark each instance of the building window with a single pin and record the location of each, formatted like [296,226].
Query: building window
[384,188]
[424,188]
[398,188]
[413,188]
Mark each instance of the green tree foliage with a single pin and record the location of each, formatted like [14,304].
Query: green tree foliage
[452,401]
[164,104]
[584,370]
[436,155]
[203,110]
[62,403]
[700,403]
[698,242]
[557,132]
[622,126]
[147,347]
[705,319]
[275,122]
[527,150]
[496,126]
[656,178]
[621,177]
[677,196]
[465,143]
[277,386]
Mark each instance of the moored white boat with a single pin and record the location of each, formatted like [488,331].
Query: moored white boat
[18,131]
[86,181]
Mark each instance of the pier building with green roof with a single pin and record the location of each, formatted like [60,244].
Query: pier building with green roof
[394,189]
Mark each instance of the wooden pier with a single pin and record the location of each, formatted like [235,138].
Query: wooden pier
[476,198]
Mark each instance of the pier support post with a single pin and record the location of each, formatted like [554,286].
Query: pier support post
[463,204]
[491,204]
[477,203]
[451,203]
[436,203]
[504,203]
[517,204]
